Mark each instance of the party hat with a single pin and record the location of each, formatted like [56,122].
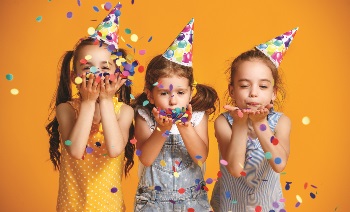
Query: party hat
[107,30]
[180,51]
[277,47]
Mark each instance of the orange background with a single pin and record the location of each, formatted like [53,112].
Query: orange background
[315,72]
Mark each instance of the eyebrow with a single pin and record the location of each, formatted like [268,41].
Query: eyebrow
[266,80]
[89,63]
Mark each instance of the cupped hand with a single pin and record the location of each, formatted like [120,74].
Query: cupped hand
[110,85]
[89,89]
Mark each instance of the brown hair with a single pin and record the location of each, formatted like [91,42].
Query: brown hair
[255,54]
[205,99]
[64,94]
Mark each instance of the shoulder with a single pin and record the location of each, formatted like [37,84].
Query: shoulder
[283,123]
[64,108]
[220,121]
[127,109]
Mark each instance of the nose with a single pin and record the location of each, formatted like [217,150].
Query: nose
[172,100]
[253,92]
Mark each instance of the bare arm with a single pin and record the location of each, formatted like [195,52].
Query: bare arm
[196,139]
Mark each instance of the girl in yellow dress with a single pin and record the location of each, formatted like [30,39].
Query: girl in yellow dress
[93,130]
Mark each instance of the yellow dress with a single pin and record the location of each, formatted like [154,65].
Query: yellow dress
[94,182]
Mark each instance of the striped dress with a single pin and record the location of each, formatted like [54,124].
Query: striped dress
[260,187]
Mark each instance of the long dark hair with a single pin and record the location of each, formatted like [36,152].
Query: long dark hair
[64,94]
[205,99]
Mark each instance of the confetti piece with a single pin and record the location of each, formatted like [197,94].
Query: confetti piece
[181,190]
[69,15]
[132,1]
[282,200]
[219,174]
[127,31]
[234,201]
[114,190]
[227,194]
[176,174]
[138,152]
[305,120]
[268,155]
[98,144]
[287,187]
[142,51]
[91,30]
[274,140]
[83,61]
[88,57]
[262,127]
[107,6]
[14,91]
[243,173]
[150,39]
[158,188]
[134,38]
[198,157]
[190,210]
[313,186]
[39,18]
[297,205]
[223,162]
[209,181]
[200,163]
[278,160]
[9,77]
[95,9]
[158,128]
[144,103]
[305,185]
[240,165]
[89,150]
[68,143]
[299,199]
[172,201]
[132,96]
[78,1]
[133,141]
[128,45]
[258,208]
[163,163]
[275,205]
[121,37]
[78,80]
[312,195]
[141,69]
[93,69]
[282,210]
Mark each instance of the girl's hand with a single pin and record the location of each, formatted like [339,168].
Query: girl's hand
[89,91]
[237,114]
[188,122]
[260,114]
[108,89]
[162,121]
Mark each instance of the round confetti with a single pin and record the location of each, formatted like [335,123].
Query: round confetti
[9,77]
[223,162]
[95,8]
[133,141]
[299,198]
[282,210]
[14,91]
[275,205]
[127,31]
[312,195]
[138,152]
[89,150]
[243,173]
[93,69]
[176,174]
[163,163]
[68,143]
[190,210]
[274,140]
[278,160]
[268,155]
[209,181]
[78,80]
[69,15]
[141,69]
[83,61]
[134,38]
[91,30]
[258,208]
[181,190]
[227,194]
[144,103]
[39,18]
[114,190]
[107,6]
[88,57]
[305,120]
[262,127]
[158,188]
[142,51]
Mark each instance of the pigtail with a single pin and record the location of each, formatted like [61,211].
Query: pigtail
[205,99]
[63,94]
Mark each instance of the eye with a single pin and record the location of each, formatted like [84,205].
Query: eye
[263,86]
[244,86]
[163,93]
[105,67]
[86,68]
[181,92]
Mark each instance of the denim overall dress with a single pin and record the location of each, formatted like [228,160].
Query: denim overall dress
[174,182]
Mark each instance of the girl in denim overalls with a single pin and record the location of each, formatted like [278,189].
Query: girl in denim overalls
[172,154]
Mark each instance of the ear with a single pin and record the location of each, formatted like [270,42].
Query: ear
[231,91]
[274,94]
[149,96]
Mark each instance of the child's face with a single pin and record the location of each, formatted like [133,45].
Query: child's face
[253,85]
[100,58]
[163,96]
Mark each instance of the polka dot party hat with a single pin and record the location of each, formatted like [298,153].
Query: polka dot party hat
[107,30]
[180,51]
[277,47]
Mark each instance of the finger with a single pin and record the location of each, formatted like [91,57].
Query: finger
[102,87]
[107,81]
[91,80]
[95,85]
[269,106]
[84,80]
[230,108]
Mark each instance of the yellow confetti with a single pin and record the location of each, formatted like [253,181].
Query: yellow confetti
[299,199]
[200,163]
[163,163]
[14,91]
[91,30]
[176,174]
[88,57]
[134,37]
[78,80]
[113,57]
[121,37]
[305,120]
[158,129]
[240,165]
